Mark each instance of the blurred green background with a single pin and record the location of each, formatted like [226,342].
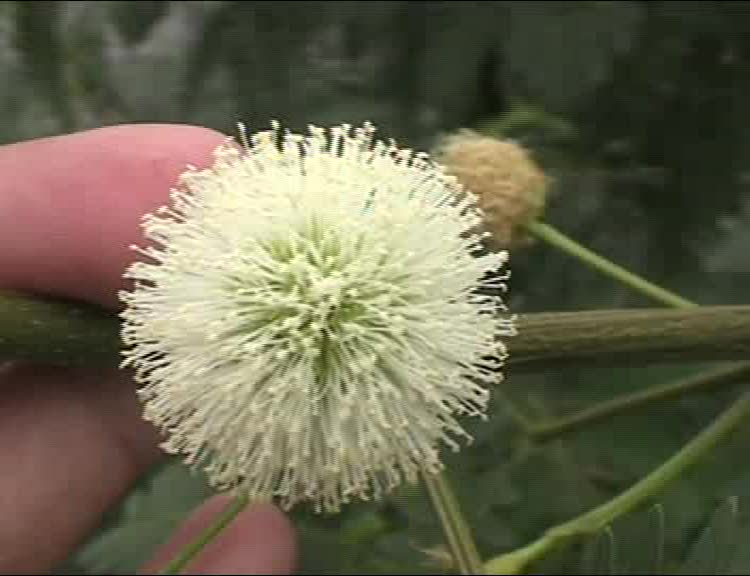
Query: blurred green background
[638,110]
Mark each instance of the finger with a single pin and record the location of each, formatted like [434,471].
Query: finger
[71,443]
[71,205]
[258,541]
[74,441]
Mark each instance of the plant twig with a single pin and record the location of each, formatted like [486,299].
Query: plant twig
[456,528]
[189,552]
[554,428]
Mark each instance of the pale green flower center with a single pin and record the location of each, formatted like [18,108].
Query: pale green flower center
[321,296]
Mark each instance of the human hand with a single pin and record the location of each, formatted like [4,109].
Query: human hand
[72,441]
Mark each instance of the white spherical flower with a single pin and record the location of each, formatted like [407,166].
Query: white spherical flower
[312,316]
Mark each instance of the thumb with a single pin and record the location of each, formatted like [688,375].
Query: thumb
[260,540]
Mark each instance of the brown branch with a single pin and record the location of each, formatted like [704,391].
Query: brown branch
[709,333]
[72,334]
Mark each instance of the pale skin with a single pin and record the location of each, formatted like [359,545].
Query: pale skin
[72,442]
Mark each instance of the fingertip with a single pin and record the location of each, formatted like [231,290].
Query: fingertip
[70,206]
[260,540]
[75,444]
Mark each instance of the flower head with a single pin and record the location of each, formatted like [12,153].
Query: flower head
[511,188]
[308,321]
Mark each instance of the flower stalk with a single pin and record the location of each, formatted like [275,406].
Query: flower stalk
[191,551]
[558,240]
[456,528]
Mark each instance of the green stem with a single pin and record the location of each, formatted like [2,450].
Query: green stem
[557,239]
[57,332]
[73,334]
[189,552]
[597,519]
[554,428]
[455,526]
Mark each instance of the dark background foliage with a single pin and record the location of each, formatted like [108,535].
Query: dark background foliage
[637,109]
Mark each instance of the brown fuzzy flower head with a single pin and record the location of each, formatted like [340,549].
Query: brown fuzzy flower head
[511,188]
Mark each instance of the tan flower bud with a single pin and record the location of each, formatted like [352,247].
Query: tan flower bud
[510,186]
